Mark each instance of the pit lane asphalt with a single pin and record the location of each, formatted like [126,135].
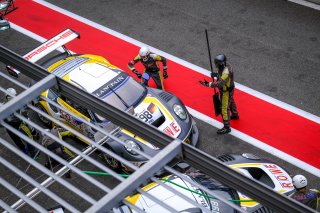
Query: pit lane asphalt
[273,44]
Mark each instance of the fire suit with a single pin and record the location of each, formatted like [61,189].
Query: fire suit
[309,197]
[225,84]
[151,68]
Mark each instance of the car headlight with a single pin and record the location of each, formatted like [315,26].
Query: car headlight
[179,111]
[130,146]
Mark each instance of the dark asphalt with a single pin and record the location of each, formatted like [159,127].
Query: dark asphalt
[274,45]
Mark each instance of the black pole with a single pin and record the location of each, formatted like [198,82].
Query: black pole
[209,52]
[215,96]
[208,45]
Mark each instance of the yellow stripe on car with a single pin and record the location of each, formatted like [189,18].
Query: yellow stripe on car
[159,104]
[245,165]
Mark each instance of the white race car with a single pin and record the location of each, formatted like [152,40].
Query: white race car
[249,165]
[97,76]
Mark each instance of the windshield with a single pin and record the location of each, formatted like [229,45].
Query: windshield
[122,91]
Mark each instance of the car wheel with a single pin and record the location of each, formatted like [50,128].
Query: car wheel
[111,162]
[44,120]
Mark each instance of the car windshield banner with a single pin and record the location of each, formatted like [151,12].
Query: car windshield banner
[112,86]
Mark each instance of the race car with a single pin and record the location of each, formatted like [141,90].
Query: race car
[249,165]
[96,75]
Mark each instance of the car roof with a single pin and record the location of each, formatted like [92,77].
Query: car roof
[86,72]
[91,76]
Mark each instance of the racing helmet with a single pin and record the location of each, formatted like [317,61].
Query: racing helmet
[299,181]
[12,92]
[144,53]
[220,61]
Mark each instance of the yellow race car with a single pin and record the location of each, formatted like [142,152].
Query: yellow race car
[96,75]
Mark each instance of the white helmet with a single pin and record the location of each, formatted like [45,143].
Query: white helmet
[144,53]
[12,92]
[299,181]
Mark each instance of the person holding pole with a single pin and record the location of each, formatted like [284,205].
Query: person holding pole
[223,80]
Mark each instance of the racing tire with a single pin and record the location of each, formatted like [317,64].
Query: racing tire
[111,162]
[43,119]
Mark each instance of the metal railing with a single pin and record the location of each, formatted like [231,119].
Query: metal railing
[109,197]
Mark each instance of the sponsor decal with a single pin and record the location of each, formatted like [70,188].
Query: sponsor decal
[114,84]
[172,129]
[48,44]
[280,175]
[70,119]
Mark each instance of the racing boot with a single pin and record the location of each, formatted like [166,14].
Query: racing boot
[224,130]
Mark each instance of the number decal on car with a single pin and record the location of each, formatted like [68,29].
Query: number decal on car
[146,116]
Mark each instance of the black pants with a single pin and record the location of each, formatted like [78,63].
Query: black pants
[156,76]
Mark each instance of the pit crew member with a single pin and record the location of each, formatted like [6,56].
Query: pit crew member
[151,67]
[225,84]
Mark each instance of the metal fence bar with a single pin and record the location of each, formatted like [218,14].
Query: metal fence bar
[56,157]
[101,130]
[7,207]
[134,207]
[36,184]
[27,96]
[13,81]
[31,70]
[213,194]
[192,156]
[21,195]
[86,157]
[45,171]
[137,178]
[159,182]
[156,200]
[252,188]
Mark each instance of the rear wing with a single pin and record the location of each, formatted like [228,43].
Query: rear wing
[47,47]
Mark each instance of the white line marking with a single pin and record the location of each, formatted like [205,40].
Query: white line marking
[196,68]
[207,119]
[307,4]
[259,144]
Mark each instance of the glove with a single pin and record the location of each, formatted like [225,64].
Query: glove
[165,74]
[204,83]
[137,73]
[214,75]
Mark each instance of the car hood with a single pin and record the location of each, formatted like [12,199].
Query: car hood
[175,201]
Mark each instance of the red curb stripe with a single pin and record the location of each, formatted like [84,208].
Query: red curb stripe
[275,126]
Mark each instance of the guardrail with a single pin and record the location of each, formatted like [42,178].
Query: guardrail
[172,150]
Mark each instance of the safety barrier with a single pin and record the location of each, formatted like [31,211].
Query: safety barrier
[102,198]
